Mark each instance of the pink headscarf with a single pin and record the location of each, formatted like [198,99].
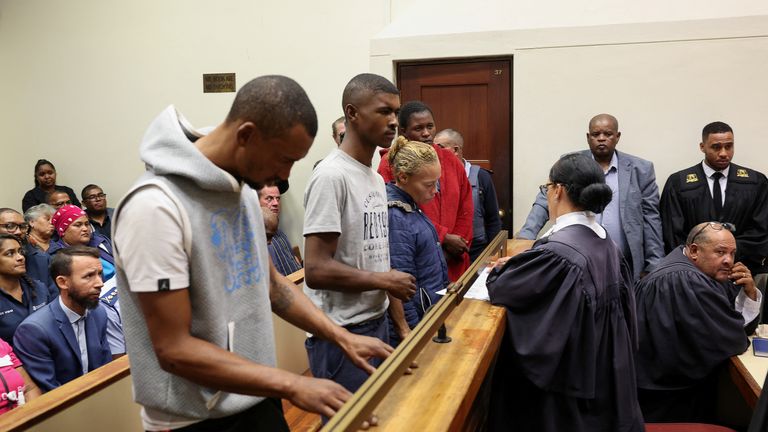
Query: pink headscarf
[64,217]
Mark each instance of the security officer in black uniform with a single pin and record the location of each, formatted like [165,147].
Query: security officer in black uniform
[718,190]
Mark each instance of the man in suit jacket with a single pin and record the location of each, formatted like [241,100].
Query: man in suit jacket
[632,218]
[68,337]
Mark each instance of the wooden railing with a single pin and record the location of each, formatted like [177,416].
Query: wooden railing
[55,401]
[362,405]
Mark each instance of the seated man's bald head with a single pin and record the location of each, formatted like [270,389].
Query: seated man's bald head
[711,247]
[274,103]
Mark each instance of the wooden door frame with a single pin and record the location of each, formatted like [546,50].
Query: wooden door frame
[454,60]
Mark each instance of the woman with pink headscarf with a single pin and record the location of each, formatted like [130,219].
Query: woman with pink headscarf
[72,226]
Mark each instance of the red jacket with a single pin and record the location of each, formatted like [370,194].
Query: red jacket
[451,210]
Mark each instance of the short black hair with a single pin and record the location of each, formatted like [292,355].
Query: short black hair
[38,164]
[274,103]
[584,181]
[87,188]
[61,264]
[363,86]
[714,128]
[409,109]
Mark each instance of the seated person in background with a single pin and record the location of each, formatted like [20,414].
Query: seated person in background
[567,359]
[45,183]
[694,311]
[99,215]
[632,218]
[19,294]
[270,223]
[18,387]
[12,222]
[339,129]
[71,224]
[57,199]
[451,211]
[280,249]
[413,244]
[111,302]
[40,227]
[486,222]
[68,337]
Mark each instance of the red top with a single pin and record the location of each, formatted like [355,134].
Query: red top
[451,210]
[11,382]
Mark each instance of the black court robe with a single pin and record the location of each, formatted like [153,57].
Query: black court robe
[687,325]
[686,201]
[567,359]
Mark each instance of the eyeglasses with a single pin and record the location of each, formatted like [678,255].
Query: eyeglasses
[545,187]
[96,197]
[717,226]
[11,226]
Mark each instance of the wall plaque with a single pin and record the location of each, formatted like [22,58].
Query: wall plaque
[219,83]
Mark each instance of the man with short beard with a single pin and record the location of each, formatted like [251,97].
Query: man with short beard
[68,337]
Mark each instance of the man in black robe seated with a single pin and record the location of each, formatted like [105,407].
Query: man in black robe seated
[694,311]
[741,198]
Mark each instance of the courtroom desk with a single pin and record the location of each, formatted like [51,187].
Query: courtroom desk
[748,373]
[440,393]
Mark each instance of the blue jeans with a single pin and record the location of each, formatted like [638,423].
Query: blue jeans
[327,360]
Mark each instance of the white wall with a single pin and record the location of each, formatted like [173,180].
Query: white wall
[81,80]
[663,80]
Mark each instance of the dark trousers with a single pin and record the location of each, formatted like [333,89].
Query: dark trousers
[327,360]
[266,416]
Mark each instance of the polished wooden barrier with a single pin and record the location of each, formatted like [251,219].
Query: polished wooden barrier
[54,401]
[748,373]
[440,393]
[78,391]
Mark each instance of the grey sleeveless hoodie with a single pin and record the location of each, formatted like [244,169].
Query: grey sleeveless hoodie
[229,272]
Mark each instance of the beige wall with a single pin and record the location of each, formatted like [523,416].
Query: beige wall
[81,80]
[111,409]
[664,81]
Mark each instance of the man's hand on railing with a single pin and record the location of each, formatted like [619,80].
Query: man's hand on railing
[360,349]
[317,395]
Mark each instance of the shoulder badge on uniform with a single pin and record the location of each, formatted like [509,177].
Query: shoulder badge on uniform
[741,172]
[405,206]
[691,178]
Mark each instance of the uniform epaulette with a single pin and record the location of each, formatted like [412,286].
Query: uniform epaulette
[405,206]
[110,297]
[691,177]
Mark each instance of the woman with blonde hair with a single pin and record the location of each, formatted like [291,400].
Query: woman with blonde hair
[414,246]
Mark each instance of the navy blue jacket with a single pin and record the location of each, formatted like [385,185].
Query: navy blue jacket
[98,241]
[12,312]
[415,248]
[48,348]
[37,268]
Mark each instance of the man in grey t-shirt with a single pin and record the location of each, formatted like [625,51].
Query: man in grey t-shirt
[347,250]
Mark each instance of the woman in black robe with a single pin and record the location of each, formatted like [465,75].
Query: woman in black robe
[566,361]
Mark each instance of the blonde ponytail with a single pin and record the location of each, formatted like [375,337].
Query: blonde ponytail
[408,157]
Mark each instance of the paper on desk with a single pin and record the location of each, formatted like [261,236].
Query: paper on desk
[478,290]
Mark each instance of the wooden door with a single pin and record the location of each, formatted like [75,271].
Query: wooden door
[473,97]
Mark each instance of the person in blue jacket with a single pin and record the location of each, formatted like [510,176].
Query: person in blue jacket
[414,246]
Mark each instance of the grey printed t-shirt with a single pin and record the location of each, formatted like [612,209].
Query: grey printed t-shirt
[346,197]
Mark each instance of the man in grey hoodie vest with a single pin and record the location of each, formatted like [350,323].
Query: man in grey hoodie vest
[195,281]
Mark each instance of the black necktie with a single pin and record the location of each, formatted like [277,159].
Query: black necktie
[717,195]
